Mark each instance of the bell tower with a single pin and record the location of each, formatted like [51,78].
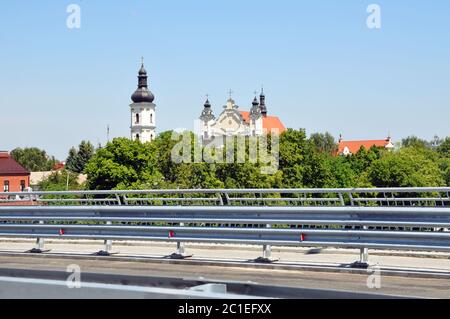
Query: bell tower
[143,119]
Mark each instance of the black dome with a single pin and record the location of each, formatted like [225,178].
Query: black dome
[142,94]
[142,71]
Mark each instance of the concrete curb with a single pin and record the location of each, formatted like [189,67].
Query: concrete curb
[275,249]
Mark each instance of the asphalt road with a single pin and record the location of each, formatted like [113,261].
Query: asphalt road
[164,274]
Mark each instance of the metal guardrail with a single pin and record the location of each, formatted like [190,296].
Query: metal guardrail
[396,197]
[397,228]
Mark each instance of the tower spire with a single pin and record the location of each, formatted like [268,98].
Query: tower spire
[262,102]
[142,94]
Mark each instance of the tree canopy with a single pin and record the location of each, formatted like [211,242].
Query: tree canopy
[34,159]
[78,158]
[303,163]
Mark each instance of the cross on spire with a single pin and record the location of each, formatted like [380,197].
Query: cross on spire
[142,60]
[230,93]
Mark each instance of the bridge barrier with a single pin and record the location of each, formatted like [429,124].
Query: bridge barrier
[393,228]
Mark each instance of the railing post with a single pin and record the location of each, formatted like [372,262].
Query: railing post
[341,199]
[352,202]
[107,251]
[180,246]
[363,261]
[267,249]
[364,256]
[180,253]
[267,253]
[40,243]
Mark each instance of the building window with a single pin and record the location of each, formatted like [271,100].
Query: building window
[151,118]
[6,186]
[22,185]
[137,118]
[137,137]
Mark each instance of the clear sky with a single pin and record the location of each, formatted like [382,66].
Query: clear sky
[321,67]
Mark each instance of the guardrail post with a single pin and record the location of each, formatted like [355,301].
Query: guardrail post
[107,251]
[40,243]
[267,253]
[364,255]
[180,253]
[363,261]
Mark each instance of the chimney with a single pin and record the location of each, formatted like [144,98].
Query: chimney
[4,154]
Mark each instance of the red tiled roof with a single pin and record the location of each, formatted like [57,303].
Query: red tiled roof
[269,122]
[355,146]
[8,166]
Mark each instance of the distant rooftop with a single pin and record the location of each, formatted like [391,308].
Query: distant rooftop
[8,166]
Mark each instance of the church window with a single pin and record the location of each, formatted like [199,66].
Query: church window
[137,137]
[151,118]
[137,118]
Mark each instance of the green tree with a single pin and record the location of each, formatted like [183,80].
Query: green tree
[444,148]
[78,158]
[123,163]
[414,141]
[408,167]
[324,142]
[34,159]
[293,148]
[60,181]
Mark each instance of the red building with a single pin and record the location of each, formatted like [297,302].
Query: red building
[13,177]
[352,147]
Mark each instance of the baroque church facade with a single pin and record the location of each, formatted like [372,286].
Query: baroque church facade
[232,121]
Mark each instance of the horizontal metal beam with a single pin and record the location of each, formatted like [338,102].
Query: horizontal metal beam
[242,221]
[242,191]
[228,209]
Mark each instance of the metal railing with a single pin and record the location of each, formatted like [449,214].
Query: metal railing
[396,228]
[390,197]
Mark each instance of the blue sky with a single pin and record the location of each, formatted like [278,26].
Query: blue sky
[321,67]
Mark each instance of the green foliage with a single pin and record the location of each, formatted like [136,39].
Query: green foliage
[60,181]
[123,164]
[34,159]
[293,149]
[77,159]
[408,167]
[308,163]
[414,141]
[324,143]
[444,148]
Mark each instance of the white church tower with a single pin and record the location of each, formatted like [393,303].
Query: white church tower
[143,119]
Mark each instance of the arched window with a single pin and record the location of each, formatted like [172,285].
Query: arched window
[137,118]
[137,137]
[151,118]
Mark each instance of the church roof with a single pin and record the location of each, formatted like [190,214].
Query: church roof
[354,146]
[269,122]
[8,166]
